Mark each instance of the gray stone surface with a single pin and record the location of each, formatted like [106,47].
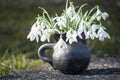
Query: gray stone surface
[99,69]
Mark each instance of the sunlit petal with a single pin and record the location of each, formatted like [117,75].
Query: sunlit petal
[105,15]
[60,44]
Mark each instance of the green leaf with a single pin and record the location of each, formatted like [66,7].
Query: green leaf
[92,10]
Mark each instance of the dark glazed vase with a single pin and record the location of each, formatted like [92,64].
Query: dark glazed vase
[72,59]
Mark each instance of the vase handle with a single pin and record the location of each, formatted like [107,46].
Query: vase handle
[41,52]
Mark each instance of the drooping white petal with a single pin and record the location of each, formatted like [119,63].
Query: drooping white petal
[75,36]
[102,34]
[101,15]
[43,38]
[35,32]
[82,29]
[70,11]
[99,18]
[98,12]
[46,34]
[31,36]
[75,18]
[91,33]
[105,15]
[71,36]
[37,38]
[95,27]
[43,25]
[61,44]
[60,22]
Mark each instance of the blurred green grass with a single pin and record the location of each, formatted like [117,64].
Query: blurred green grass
[17,53]
[13,63]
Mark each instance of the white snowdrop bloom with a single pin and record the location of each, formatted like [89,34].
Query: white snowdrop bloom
[43,38]
[105,15]
[62,18]
[46,34]
[71,11]
[98,12]
[43,25]
[60,44]
[95,27]
[102,34]
[35,32]
[60,21]
[92,32]
[100,15]
[75,18]
[71,36]
[82,29]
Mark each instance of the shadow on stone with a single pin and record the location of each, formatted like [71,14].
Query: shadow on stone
[109,71]
[10,77]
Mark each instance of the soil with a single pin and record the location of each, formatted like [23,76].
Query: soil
[99,69]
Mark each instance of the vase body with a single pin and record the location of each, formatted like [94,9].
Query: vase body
[72,59]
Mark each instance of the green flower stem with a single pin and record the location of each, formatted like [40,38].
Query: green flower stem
[80,9]
[92,10]
[67,4]
[45,12]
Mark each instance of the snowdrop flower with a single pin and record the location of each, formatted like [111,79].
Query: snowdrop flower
[46,35]
[100,15]
[102,34]
[35,32]
[82,29]
[60,44]
[98,12]
[43,25]
[70,11]
[61,21]
[71,36]
[92,32]
[73,23]
[105,15]
[75,18]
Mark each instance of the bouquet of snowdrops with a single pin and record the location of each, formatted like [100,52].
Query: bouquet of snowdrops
[73,22]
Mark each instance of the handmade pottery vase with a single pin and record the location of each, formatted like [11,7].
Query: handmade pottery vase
[72,59]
